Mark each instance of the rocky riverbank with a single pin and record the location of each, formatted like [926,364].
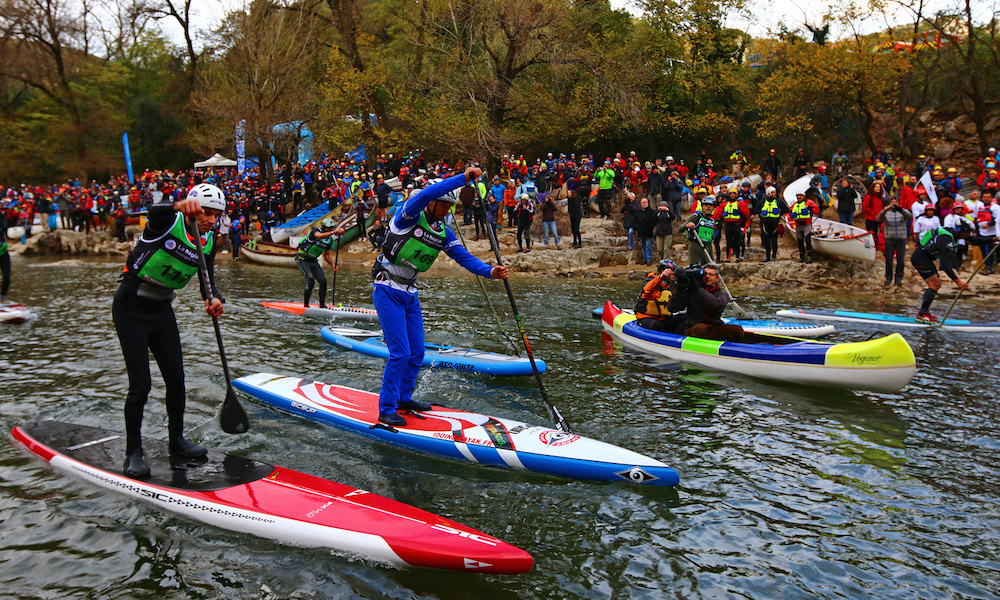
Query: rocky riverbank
[604,254]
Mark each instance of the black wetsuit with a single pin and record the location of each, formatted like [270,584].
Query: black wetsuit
[941,245]
[147,325]
[308,263]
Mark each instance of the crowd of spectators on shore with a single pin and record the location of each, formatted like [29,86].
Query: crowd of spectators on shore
[649,196]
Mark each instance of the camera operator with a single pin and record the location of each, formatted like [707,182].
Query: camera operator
[651,306]
[699,292]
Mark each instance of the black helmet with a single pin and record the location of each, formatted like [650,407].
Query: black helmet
[816,180]
[664,264]
[963,225]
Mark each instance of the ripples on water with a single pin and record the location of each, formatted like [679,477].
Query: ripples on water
[786,492]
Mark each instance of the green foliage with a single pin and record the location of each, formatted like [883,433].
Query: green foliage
[812,88]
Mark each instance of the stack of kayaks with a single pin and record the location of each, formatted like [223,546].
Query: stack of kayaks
[761,326]
[436,357]
[303,221]
[848,316]
[884,364]
[282,255]
[330,312]
[459,434]
[243,495]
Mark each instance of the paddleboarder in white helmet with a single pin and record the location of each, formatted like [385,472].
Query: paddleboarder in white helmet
[413,241]
[163,260]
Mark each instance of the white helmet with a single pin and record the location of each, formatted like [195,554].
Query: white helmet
[451,197]
[208,196]
[770,189]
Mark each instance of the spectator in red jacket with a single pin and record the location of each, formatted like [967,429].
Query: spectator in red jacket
[871,206]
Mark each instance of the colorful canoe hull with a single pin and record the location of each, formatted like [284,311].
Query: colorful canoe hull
[460,435]
[242,495]
[435,356]
[882,365]
[767,327]
[848,316]
[330,312]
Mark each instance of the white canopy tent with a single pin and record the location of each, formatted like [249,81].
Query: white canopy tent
[216,161]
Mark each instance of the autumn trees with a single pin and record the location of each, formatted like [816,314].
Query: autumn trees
[457,77]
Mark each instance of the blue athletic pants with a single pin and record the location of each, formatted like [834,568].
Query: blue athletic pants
[403,328]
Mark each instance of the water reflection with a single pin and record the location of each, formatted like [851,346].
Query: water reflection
[785,491]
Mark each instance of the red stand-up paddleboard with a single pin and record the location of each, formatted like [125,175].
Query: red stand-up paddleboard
[14,313]
[243,495]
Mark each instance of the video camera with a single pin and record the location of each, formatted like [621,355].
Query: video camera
[690,278]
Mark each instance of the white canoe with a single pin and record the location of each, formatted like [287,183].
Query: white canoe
[273,255]
[799,186]
[838,239]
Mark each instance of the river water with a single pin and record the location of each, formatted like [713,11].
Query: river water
[786,492]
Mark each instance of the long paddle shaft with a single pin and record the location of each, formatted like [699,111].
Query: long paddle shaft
[232,417]
[737,309]
[974,273]
[336,263]
[488,301]
[557,419]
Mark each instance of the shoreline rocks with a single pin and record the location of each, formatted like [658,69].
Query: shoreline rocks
[604,255]
[73,243]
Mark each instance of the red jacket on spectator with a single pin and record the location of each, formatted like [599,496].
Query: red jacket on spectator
[871,206]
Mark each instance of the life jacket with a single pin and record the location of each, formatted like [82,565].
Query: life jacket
[416,249]
[168,261]
[3,248]
[985,217]
[652,307]
[731,211]
[770,209]
[801,212]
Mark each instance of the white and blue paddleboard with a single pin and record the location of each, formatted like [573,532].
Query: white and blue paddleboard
[460,435]
[435,356]
[764,327]
[848,316]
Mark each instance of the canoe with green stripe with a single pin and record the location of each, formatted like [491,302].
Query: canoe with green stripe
[884,364]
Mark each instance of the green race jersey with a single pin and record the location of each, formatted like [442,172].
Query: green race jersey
[416,249]
[170,260]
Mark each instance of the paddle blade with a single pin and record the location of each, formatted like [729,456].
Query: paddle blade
[232,418]
[739,312]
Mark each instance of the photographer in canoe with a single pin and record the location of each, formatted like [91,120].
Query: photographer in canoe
[699,292]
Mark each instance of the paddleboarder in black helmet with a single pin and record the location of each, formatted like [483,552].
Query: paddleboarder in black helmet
[318,243]
[939,243]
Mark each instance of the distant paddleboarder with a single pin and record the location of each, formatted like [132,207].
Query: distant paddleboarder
[318,243]
[163,260]
[413,242]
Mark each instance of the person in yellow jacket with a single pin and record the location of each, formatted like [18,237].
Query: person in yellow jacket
[739,163]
